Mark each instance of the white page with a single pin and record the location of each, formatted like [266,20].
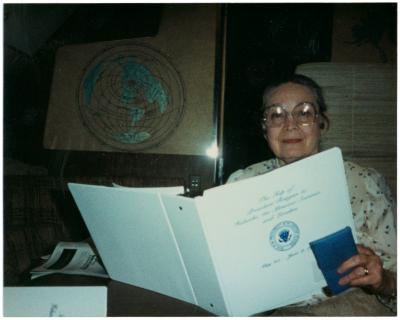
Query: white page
[240,218]
[188,231]
[133,236]
[55,301]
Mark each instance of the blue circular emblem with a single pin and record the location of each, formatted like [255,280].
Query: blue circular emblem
[284,235]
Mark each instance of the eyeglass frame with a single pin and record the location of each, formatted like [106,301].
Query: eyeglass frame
[287,113]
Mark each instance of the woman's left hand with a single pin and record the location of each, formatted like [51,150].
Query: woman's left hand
[368,270]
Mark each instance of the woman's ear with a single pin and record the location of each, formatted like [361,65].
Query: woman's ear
[323,125]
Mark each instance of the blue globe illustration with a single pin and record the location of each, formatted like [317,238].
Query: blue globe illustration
[131,97]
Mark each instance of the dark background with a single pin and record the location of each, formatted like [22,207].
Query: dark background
[265,42]
[32,37]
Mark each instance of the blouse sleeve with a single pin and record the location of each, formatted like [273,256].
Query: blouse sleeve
[374,213]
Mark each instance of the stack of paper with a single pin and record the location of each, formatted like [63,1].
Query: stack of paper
[71,258]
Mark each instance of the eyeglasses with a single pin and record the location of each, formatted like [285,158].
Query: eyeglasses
[304,114]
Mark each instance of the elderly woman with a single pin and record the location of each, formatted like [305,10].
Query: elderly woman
[294,118]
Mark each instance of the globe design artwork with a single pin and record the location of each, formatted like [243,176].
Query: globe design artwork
[131,97]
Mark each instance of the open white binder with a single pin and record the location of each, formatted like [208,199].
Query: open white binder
[240,249]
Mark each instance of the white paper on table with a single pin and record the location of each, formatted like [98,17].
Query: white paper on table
[71,258]
[55,301]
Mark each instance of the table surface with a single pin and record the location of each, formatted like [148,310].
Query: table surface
[125,300]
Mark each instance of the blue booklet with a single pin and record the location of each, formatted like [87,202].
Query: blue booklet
[330,252]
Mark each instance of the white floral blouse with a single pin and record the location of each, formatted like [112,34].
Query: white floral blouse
[372,204]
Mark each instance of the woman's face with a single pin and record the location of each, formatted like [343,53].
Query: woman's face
[290,141]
